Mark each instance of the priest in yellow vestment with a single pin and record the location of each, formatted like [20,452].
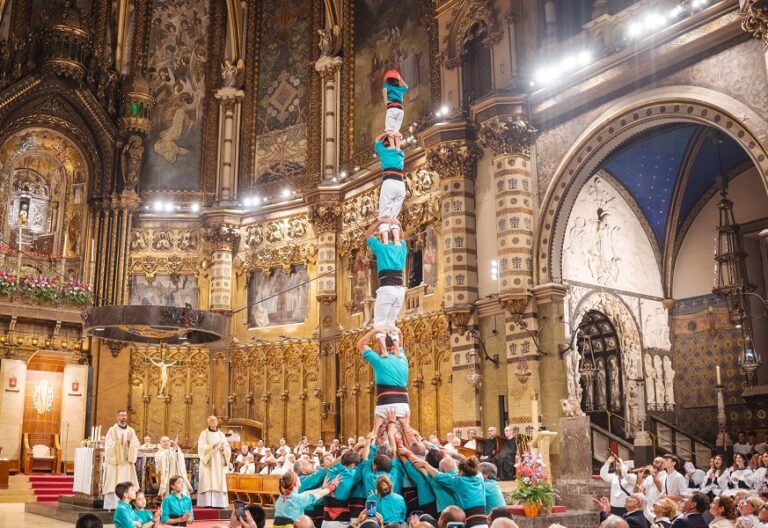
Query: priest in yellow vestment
[214,452]
[169,462]
[121,447]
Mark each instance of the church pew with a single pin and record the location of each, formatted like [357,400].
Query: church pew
[254,489]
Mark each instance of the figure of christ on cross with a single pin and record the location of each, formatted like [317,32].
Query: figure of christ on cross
[163,364]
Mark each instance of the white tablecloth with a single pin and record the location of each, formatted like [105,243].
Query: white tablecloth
[83,469]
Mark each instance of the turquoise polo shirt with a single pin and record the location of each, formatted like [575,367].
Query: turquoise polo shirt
[444,495]
[470,492]
[391,507]
[390,158]
[143,516]
[313,481]
[349,477]
[293,507]
[421,482]
[493,495]
[395,93]
[175,507]
[389,256]
[369,477]
[391,370]
[123,517]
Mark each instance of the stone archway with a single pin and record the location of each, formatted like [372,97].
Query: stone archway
[629,117]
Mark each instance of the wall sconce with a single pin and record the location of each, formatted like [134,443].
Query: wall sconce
[3,339]
[19,340]
[34,341]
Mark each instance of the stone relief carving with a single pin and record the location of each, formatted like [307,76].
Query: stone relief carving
[669,384]
[277,231]
[138,240]
[254,236]
[161,241]
[572,361]
[655,325]
[650,383]
[187,241]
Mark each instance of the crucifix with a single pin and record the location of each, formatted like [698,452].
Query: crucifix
[163,363]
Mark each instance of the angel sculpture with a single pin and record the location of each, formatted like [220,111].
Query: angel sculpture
[232,73]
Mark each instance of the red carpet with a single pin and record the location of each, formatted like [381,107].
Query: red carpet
[47,488]
[205,514]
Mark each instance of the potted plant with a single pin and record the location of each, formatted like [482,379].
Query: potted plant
[76,292]
[7,284]
[40,289]
[534,489]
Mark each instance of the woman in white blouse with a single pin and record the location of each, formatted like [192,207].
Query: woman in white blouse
[759,478]
[716,479]
[739,476]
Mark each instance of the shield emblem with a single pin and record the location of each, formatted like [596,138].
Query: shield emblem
[12,382]
[75,386]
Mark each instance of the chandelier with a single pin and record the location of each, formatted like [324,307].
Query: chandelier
[731,281]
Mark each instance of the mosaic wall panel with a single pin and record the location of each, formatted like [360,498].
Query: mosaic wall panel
[387,38]
[284,55]
[178,55]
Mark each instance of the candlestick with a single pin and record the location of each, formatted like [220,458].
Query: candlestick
[535,413]
[717,375]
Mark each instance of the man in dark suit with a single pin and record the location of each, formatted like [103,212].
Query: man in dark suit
[693,508]
[488,450]
[635,504]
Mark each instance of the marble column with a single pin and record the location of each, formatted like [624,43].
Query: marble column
[455,162]
[330,71]
[230,105]
[223,238]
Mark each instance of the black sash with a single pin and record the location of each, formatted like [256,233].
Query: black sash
[388,394]
[389,277]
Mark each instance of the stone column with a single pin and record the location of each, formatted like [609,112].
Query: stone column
[324,215]
[223,238]
[509,139]
[330,71]
[455,161]
[230,104]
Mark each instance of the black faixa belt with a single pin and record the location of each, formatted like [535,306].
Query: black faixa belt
[394,104]
[392,174]
[388,394]
[390,278]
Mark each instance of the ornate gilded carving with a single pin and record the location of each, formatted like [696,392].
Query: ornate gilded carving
[254,235]
[416,216]
[161,241]
[507,137]
[324,216]
[473,18]
[454,159]
[222,237]
[130,162]
[516,303]
[187,241]
[458,318]
[755,18]
[293,229]
[419,182]
[267,258]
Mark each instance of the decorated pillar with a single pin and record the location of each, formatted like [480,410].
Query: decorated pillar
[223,238]
[452,154]
[330,71]
[508,140]
[230,105]
[325,212]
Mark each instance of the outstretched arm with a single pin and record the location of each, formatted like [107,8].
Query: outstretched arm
[362,343]
[383,134]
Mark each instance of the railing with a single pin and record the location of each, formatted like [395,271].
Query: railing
[668,438]
[601,442]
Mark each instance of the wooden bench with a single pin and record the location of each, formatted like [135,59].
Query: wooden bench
[254,489]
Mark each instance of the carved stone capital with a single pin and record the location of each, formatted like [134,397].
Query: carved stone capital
[515,303]
[507,137]
[755,18]
[326,298]
[115,347]
[454,158]
[328,67]
[325,216]
[222,237]
[458,318]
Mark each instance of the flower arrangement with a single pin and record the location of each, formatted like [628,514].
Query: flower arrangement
[7,283]
[76,292]
[40,288]
[533,484]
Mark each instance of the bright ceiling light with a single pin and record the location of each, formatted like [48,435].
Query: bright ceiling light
[168,207]
[286,193]
[195,207]
[158,205]
[584,58]
[247,201]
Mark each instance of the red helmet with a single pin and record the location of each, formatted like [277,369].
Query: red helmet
[392,74]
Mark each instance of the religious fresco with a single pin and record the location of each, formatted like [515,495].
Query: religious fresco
[429,259]
[165,290]
[177,62]
[387,38]
[277,297]
[284,55]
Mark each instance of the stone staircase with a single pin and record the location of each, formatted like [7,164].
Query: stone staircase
[19,490]
[37,488]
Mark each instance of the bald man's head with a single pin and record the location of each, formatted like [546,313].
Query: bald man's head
[449,515]
[304,521]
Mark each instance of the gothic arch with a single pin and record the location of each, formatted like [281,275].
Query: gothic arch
[472,14]
[627,118]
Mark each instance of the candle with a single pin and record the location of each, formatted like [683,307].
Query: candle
[717,374]
[535,413]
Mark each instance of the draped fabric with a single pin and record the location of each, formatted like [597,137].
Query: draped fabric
[121,448]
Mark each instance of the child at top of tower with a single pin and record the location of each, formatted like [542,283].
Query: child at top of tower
[393,92]
[392,193]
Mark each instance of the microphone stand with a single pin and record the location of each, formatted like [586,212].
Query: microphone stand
[66,442]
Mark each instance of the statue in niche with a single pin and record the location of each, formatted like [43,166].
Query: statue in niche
[589,392]
[138,241]
[572,361]
[327,42]
[274,233]
[130,162]
[650,383]
[659,381]
[232,73]
[73,233]
[188,241]
[669,381]
[601,399]
[23,215]
[613,381]
[254,236]
[633,406]
[162,241]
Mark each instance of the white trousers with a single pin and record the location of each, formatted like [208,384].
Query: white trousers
[391,197]
[389,300]
[401,409]
[393,119]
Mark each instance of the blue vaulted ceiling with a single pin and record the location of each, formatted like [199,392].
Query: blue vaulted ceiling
[651,167]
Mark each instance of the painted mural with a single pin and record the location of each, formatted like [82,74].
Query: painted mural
[387,38]
[281,130]
[278,298]
[177,62]
[165,290]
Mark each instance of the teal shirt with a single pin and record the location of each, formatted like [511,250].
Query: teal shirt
[369,477]
[493,496]
[174,506]
[391,507]
[313,481]
[470,492]
[391,370]
[390,158]
[423,488]
[444,495]
[349,478]
[293,507]
[143,516]
[390,256]
[395,93]
[123,515]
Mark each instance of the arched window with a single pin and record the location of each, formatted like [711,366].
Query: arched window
[476,65]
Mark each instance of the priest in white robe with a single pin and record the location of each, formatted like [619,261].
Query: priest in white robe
[169,462]
[121,446]
[214,451]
